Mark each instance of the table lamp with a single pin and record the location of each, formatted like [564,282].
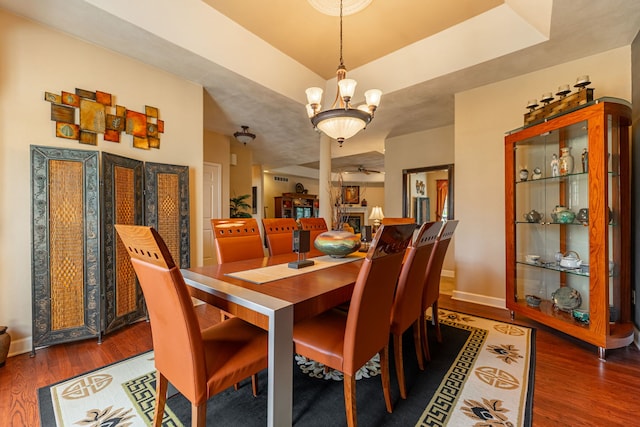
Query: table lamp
[376,216]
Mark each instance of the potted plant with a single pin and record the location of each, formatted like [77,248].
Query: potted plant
[238,205]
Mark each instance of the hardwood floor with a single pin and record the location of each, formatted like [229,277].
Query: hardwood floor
[572,386]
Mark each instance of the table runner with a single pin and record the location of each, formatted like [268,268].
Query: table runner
[282,271]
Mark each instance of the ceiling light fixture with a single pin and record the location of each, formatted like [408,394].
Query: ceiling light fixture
[244,135]
[342,121]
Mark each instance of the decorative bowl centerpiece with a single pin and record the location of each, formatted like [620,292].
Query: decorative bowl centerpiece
[337,243]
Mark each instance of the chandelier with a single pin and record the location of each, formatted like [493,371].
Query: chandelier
[342,121]
[244,135]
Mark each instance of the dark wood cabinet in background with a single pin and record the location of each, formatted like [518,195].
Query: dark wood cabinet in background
[296,205]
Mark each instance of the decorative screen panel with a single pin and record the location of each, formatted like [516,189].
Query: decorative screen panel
[122,204]
[65,245]
[167,207]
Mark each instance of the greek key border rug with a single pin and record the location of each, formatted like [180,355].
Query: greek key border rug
[484,379]
[491,381]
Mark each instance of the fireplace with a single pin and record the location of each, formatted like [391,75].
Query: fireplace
[356,218]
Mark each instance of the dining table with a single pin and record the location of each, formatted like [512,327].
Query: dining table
[273,296]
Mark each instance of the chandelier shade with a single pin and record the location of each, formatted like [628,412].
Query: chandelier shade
[341,124]
[244,135]
[342,121]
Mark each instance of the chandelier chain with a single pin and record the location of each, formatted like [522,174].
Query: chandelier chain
[341,62]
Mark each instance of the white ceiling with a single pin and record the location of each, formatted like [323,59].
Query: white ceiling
[255,63]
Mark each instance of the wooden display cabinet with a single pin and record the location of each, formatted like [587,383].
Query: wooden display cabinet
[296,205]
[599,190]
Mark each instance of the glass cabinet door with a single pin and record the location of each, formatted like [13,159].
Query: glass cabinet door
[551,208]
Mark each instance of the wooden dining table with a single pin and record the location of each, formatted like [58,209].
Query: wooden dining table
[275,306]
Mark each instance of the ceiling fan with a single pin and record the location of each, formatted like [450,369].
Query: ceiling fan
[362,169]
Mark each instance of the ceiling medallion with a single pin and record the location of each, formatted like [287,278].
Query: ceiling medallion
[342,121]
[332,8]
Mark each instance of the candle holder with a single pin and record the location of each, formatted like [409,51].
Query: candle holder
[546,98]
[582,82]
[563,91]
[532,104]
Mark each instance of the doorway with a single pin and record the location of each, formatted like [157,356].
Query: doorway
[211,208]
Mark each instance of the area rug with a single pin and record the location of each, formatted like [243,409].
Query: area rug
[480,375]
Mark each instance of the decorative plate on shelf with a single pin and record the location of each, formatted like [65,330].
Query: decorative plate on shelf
[299,188]
[566,298]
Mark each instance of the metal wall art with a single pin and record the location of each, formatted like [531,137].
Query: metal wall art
[83,115]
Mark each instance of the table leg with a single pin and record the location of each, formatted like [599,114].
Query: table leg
[280,382]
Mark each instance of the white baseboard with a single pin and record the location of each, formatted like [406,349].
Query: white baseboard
[478,299]
[448,273]
[20,346]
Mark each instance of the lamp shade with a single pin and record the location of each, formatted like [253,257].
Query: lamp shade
[376,213]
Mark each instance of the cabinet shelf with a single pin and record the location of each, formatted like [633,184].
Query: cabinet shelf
[559,178]
[600,130]
[555,267]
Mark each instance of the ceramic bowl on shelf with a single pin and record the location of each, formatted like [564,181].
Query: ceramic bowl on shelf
[532,300]
[566,298]
[532,259]
[565,217]
[580,315]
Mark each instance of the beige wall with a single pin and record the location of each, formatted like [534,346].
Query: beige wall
[240,178]
[482,116]
[33,60]
[423,149]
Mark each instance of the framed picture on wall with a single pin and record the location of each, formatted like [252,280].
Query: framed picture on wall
[351,195]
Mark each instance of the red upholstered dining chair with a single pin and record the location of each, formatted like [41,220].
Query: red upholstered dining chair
[316,226]
[346,341]
[237,239]
[407,302]
[432,284]
[198,363]
[279,234]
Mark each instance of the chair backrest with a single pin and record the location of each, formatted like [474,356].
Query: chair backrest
[434,271]
[390,220]
[407,301]
[279,234]
[177,342]
[316,226]
[367,329]
[237,239]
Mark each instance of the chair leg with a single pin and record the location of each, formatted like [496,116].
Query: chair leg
[386,384]
[434,309]
[423,337]
[199,415]
[161,398]
[397,351]
[254,384]
[418,344]
[350,400]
